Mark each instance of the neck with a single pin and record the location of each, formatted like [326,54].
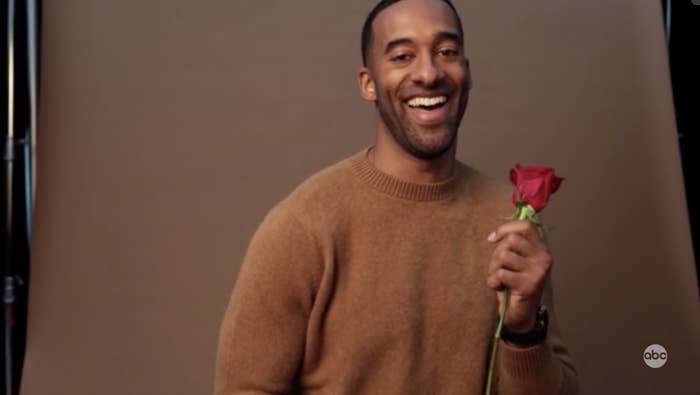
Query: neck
[388,156]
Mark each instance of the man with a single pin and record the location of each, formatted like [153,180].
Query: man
[382,273]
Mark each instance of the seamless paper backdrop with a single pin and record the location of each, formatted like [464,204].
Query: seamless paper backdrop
[169,128]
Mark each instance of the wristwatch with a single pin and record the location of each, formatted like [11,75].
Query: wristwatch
[535,336]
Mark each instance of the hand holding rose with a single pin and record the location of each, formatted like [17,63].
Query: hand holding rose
[520,263]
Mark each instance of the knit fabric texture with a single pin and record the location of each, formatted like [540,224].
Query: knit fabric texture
[361,283]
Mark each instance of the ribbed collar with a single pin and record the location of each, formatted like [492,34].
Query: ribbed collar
[393,186]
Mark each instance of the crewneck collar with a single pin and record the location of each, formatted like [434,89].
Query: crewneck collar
[393,186]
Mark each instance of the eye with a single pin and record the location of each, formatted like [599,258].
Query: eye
[448,52]
[401,58]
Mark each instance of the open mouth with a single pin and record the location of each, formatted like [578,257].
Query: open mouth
[427,103]
[428,110]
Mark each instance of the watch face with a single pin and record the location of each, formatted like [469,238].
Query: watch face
[543,319]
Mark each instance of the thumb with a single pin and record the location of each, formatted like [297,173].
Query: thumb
[501,296]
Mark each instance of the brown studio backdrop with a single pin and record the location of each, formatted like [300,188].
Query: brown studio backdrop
[169,128]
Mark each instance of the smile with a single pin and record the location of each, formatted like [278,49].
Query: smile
[427,102]
[427,111]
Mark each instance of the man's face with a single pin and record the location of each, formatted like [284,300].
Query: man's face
[418,75]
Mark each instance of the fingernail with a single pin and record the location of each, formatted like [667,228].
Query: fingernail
[492,236]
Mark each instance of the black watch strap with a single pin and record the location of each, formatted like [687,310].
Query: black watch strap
[536,336]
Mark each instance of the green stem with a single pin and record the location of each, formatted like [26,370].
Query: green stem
[496,340]
[523,212]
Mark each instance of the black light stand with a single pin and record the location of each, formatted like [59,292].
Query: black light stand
[8,295]
[19,60]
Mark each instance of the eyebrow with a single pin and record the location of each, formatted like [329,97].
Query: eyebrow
[439,36]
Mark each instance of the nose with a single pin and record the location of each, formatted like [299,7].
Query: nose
[426,72]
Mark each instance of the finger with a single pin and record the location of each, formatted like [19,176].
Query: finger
[521,227]
[519,244]
[519,284]
[506,279]
[505,258]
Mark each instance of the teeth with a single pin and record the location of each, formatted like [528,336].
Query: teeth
[426,101]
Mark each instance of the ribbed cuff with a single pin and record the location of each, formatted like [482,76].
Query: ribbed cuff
[524,363]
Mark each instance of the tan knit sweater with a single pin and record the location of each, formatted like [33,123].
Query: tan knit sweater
[360,283]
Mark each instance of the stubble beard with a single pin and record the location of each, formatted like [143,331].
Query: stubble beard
[406,135]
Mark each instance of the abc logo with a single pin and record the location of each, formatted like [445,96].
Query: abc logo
[655,356]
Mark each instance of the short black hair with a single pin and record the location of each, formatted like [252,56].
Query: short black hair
[383,4]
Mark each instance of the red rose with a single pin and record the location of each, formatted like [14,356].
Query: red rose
[533,185]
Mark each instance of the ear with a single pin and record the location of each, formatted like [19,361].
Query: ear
[367,86]
[469,73]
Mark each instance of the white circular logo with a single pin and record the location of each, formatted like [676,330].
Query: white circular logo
[655,356]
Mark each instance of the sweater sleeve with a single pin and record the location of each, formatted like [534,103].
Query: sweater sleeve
[544,369]
[262,337]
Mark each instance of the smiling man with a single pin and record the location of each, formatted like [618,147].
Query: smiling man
[380,274]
